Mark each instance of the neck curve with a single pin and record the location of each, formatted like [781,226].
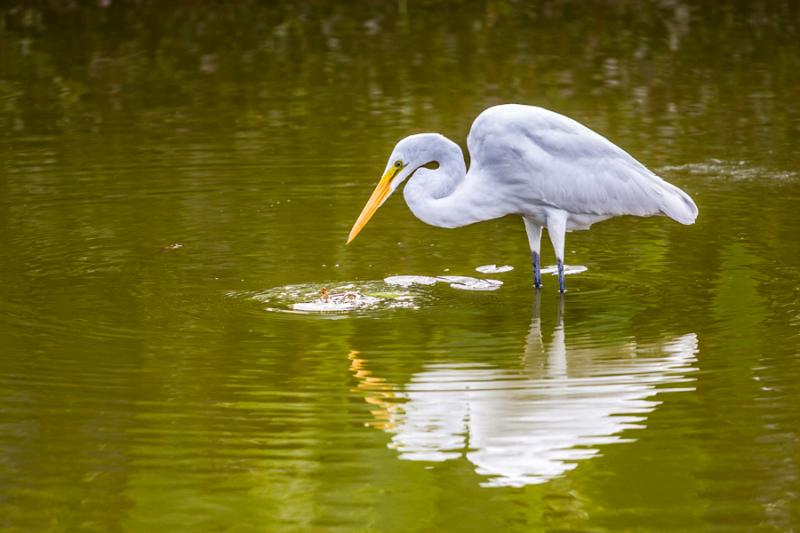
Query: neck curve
[431,194]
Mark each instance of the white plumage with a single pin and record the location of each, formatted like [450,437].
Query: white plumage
[551,170]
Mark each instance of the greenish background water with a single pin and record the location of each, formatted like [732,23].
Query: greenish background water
[142,387]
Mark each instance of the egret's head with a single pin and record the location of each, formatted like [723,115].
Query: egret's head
[408,155]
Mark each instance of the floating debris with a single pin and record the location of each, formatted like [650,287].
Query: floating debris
[478,285]
[467,283]
[494,269]
[408,281]
[568,269]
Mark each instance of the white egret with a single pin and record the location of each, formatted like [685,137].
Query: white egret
[547,168]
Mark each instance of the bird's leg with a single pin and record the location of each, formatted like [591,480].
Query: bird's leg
[534,239]
[557,229]
[537,270]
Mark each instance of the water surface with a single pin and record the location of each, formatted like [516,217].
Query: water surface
[166,170]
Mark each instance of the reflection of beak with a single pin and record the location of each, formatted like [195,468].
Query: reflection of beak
[379,196]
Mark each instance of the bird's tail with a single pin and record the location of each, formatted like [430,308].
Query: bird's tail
[677,205]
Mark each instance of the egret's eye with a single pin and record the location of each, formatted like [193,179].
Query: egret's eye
[398,164]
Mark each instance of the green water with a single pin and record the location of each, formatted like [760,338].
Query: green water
[163,164]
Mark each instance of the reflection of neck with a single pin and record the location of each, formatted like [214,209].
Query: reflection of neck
[376,391]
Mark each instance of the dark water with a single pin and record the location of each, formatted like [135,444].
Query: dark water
[163,163]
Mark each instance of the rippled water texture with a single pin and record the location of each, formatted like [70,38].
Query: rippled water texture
[186,343]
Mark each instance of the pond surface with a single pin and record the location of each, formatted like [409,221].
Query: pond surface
[175,177]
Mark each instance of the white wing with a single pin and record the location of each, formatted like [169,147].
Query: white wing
[530,157]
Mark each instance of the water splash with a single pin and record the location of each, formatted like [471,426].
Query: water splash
[334,298]
[345,301]
[735,170]
[394,292]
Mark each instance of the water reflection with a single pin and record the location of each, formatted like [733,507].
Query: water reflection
[527,425]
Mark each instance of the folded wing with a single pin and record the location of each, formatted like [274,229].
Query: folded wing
[542,158]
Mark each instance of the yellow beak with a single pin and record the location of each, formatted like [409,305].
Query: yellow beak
[378,196]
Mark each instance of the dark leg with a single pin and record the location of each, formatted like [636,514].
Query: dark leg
[557,228]
[534,232]
[537,270]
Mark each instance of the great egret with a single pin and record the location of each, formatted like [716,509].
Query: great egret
[547,168]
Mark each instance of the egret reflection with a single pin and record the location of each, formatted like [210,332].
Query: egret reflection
[532,423]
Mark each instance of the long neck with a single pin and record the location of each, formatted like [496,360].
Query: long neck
[430,194]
